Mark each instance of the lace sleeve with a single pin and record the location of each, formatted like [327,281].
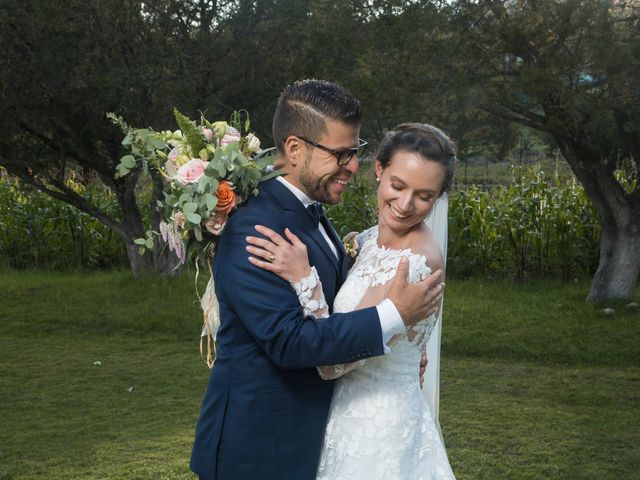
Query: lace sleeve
[331,372]
[311,296]
[419,270]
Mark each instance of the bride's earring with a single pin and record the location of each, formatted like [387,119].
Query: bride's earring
[377,179]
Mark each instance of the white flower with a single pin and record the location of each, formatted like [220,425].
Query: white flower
[179,219]
[253,143]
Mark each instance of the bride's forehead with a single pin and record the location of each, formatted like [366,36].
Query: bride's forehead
[412,168]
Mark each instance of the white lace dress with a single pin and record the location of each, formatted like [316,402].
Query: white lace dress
[379,425]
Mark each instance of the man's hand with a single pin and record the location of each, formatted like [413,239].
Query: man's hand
[415,301]
[423,367]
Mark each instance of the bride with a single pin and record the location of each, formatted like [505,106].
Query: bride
[380,425]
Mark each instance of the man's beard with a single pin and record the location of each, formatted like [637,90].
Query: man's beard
[315,186]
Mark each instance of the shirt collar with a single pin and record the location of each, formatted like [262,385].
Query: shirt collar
[300,195]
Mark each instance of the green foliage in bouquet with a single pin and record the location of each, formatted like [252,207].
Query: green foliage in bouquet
[210,168]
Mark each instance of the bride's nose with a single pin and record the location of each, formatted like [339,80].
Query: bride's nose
[405,202]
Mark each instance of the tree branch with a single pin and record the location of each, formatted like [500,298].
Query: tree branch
[49,142]
[65,194]
[528,119]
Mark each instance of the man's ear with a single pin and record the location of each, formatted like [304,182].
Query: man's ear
[293,150]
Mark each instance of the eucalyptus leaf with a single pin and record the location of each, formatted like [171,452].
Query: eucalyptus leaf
[211,201]
[194,218]
[189,208]
[197,231]
[128,161]
[203,183]
[157,142]
[121,171]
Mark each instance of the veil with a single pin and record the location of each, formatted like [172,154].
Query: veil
[437,222]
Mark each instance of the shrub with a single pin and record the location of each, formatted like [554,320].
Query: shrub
[37,231]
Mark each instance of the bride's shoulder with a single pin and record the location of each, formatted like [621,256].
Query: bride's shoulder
[422,242]
[359,239]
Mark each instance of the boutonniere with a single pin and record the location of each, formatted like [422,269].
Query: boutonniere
[351,245]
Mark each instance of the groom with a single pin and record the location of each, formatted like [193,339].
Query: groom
[265,409]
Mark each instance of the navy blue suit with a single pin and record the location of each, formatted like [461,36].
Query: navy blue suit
[265,409]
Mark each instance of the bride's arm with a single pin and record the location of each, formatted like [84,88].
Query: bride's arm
[372,296]
[288,259]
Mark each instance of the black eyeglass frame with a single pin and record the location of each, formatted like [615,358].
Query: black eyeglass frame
[347,153]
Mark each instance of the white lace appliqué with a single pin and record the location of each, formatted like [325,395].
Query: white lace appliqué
[310,295]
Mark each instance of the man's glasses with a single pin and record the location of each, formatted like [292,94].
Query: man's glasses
[343,157]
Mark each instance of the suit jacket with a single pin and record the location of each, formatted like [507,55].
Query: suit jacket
[265,408]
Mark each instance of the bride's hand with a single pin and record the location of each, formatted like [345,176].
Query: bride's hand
[286,258]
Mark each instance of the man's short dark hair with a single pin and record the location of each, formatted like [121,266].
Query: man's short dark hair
[304,107]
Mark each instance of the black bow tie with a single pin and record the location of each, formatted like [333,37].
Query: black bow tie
[315,210]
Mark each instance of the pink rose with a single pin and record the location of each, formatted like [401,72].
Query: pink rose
[230,135]
[208,134]
[216,222]
[191,171]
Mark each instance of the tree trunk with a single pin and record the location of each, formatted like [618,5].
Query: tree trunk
[139,264]
[132,227]
[619,266]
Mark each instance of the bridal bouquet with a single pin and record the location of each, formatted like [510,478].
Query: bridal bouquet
[209,168]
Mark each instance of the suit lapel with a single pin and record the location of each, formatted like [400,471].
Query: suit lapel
[299,216]
[343,263]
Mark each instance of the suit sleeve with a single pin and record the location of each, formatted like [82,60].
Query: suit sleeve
[270,311]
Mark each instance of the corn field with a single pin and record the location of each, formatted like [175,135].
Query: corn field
[531,225]
[37,231]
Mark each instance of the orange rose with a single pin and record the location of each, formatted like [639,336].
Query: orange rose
[226,197]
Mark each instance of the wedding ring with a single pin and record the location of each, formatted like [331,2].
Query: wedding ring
[272,258]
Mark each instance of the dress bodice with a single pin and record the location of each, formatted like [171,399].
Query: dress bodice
[375,266]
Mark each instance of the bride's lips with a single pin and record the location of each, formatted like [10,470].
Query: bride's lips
[396,213]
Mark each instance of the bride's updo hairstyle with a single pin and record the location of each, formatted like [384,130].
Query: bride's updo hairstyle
[429,142]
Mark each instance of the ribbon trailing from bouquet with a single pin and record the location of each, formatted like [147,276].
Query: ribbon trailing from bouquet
[211,322]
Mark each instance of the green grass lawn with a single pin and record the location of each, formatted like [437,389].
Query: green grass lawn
[101,379]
